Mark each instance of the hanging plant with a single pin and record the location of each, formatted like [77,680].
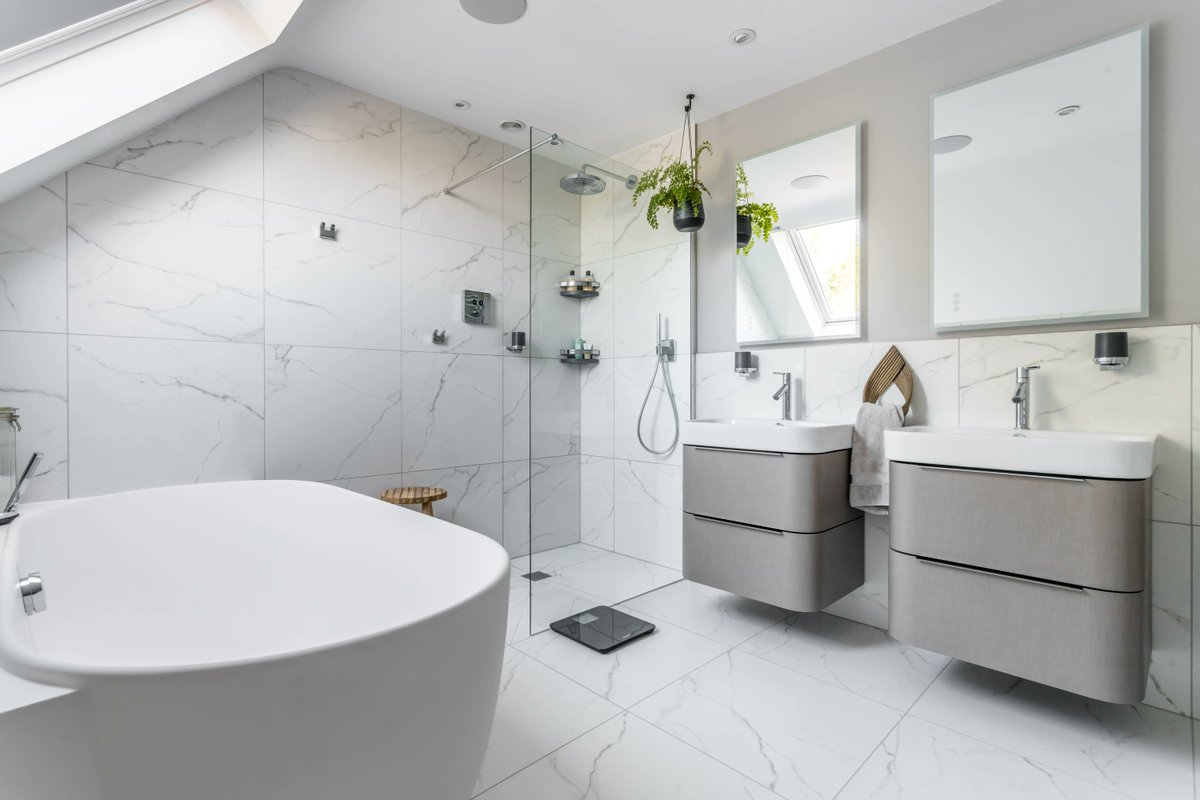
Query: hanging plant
[675,183]
[754,220]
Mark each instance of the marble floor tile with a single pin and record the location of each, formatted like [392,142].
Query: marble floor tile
[628,674]
[793,734]
[154,258]
[560,558]
[926,761]
[218,144]
[533,605]
[856,657]
[627,759]
[868,603]
[710,612]
[538,711]
[615,577]
[340,293]
[33,259]
[1136,750]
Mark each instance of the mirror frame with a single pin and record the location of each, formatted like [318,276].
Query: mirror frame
[1015,322]
[857,125]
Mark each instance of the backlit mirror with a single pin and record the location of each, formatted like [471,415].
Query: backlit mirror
[799,229]
[1039,191]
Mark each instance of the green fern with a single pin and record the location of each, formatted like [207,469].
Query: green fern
[763,216]
[671,184]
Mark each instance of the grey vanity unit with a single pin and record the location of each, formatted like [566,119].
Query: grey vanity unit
[766,513]
[1042,576]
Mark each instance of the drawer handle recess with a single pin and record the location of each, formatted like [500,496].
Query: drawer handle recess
[736,450]
[1068,478]
[745,525]
[1018,578]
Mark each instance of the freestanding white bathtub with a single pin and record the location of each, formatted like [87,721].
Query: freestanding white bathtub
[269,640]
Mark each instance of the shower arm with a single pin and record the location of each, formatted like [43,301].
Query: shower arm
[630,181]
[551,139]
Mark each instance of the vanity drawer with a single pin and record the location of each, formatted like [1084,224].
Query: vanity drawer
[1087,532]
[786,491]
[1091,642]
[796,571]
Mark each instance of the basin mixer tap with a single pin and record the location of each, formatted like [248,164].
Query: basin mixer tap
[1020,397]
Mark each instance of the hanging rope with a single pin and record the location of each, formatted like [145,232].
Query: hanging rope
[687,130]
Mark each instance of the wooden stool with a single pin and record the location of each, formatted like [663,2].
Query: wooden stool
[412,495]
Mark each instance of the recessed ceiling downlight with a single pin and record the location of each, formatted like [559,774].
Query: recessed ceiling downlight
[512,125]
[950,144]
[1067,111]
[807,183]
[742,36]
[462,105]
[495,12]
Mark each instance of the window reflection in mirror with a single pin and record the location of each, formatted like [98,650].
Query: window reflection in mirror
[799,280]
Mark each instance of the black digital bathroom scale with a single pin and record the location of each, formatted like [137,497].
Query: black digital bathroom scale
[602,628]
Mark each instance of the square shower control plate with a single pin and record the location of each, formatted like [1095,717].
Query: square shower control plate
[477,307]
[602,628]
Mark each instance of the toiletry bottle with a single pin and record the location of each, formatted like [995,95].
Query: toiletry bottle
[579,347]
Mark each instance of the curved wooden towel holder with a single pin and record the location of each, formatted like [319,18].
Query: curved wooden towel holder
[891,370]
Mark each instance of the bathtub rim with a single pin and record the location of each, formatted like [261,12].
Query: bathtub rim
[19,659]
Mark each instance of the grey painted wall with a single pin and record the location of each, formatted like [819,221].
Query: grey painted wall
[889,92]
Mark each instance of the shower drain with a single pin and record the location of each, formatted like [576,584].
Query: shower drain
[536,576]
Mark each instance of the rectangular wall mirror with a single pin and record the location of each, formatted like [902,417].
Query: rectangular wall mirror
[1039,191]
[801,282]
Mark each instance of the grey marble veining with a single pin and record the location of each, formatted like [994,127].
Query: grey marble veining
[331,148]
[597,501]
[33,259]
[554,502]
[156,413]
[217,144]
[333,412]
[452,410]
[154,258]
[332,293]
[648,283]
[33,379]
[474,500]
[436,272]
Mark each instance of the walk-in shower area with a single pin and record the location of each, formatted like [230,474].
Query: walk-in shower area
[593,402]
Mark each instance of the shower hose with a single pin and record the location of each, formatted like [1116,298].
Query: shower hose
[660,363]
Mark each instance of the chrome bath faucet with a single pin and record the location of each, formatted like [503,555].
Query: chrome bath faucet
[1020,397]
[785,392]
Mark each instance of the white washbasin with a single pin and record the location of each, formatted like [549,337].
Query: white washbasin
[772,435]
[1127,456]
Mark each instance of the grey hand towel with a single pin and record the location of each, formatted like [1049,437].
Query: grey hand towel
[868,465]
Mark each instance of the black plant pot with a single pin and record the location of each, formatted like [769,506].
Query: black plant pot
[689,218]
[744,232]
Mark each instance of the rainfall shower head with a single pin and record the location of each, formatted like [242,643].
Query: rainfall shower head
[581,183]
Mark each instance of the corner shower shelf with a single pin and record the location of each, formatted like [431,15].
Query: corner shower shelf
[582,288]
[571,356]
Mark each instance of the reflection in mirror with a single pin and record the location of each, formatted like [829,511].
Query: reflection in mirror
[1039,180]
[801,283]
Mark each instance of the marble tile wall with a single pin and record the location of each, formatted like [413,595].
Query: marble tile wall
[631,499]
[169,314]
[969,382]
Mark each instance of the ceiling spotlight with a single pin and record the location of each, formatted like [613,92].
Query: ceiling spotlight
[461,105]
[806,183]
[495,12]
[742,36]
[1067,111]
[950,144]
[512,125]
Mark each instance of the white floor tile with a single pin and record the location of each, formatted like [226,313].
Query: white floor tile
[710,612]
[796,735]
[615,577]
[538,712]
[532,606]
[627,759]
[857,657]
[922,760]
[1137,750]
[560,558]
[627,674]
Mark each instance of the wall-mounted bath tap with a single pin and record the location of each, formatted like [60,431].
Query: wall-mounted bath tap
[1020,397]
